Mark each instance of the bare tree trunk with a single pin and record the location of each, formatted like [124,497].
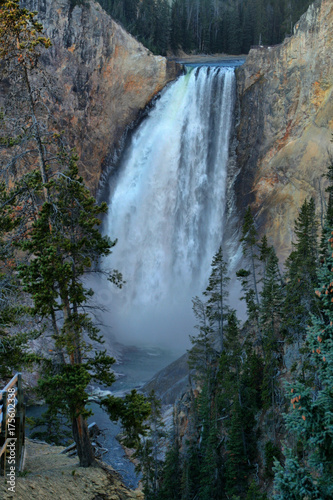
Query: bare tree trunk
[79,423]
[82,440]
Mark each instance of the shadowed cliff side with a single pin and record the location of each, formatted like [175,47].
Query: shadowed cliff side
[286,122]
[104,78]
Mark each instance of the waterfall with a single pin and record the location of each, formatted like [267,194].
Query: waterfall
[167,207]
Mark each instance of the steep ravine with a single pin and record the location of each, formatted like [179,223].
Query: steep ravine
[285,125]
[103,78]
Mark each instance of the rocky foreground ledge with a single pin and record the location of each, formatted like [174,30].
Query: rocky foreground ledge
[50,474]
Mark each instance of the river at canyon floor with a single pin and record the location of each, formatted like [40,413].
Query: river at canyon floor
[136,367]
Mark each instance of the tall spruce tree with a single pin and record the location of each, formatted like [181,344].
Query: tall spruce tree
[149,450]
[65,241]
[217,293]
[248,275]
[301,274]
[237,404]
[202,353]
[310,419]
[270,321]
[329,211]
[171,482]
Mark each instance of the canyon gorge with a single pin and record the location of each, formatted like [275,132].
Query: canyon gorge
[179,153]
[106,78]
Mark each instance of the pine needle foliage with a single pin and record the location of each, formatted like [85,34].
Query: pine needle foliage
[310,419]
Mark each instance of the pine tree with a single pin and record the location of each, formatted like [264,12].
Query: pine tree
[65,241]
[249,244]
[254,493]
[149,450]
[209,465]
[171,483]
[162,27]
[190,471]
[202,353]
[238,395]
[17,209]
[133,411]
[301,275]
[217,294]
[265,253]
[249,276]
[310,418]
[236,465]
[324,252]
[270,320]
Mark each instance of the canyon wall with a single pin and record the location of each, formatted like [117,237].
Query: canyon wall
[285,126]
[103,78]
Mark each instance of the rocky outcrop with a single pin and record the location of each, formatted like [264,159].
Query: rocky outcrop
[48,473]
[104,77]
[286,124]
[170,383]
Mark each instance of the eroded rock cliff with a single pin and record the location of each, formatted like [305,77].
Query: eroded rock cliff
[104,78]
[286,124]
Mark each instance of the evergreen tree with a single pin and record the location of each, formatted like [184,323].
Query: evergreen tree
[236,467]
[171,483]
[162,27]
[265,253]
[254,493]
[65,241]
[202,353]
[133,411]
[190,471]
[310,418]
[249,245]
[149,450]
[301,274]
[131,12]
[239,387]
[329,212]
[209,466]
[217,294]
[249,276]
[270,320]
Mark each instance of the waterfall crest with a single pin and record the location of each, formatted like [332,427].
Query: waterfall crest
[167,206]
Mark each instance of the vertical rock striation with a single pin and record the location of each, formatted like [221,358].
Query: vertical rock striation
[104,77]
[286,123]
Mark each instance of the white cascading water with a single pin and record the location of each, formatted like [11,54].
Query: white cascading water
[167,206]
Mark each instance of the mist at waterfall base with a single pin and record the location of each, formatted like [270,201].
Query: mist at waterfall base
[167,211]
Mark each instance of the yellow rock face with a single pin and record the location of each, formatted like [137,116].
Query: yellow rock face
[286,124]
[104,78]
